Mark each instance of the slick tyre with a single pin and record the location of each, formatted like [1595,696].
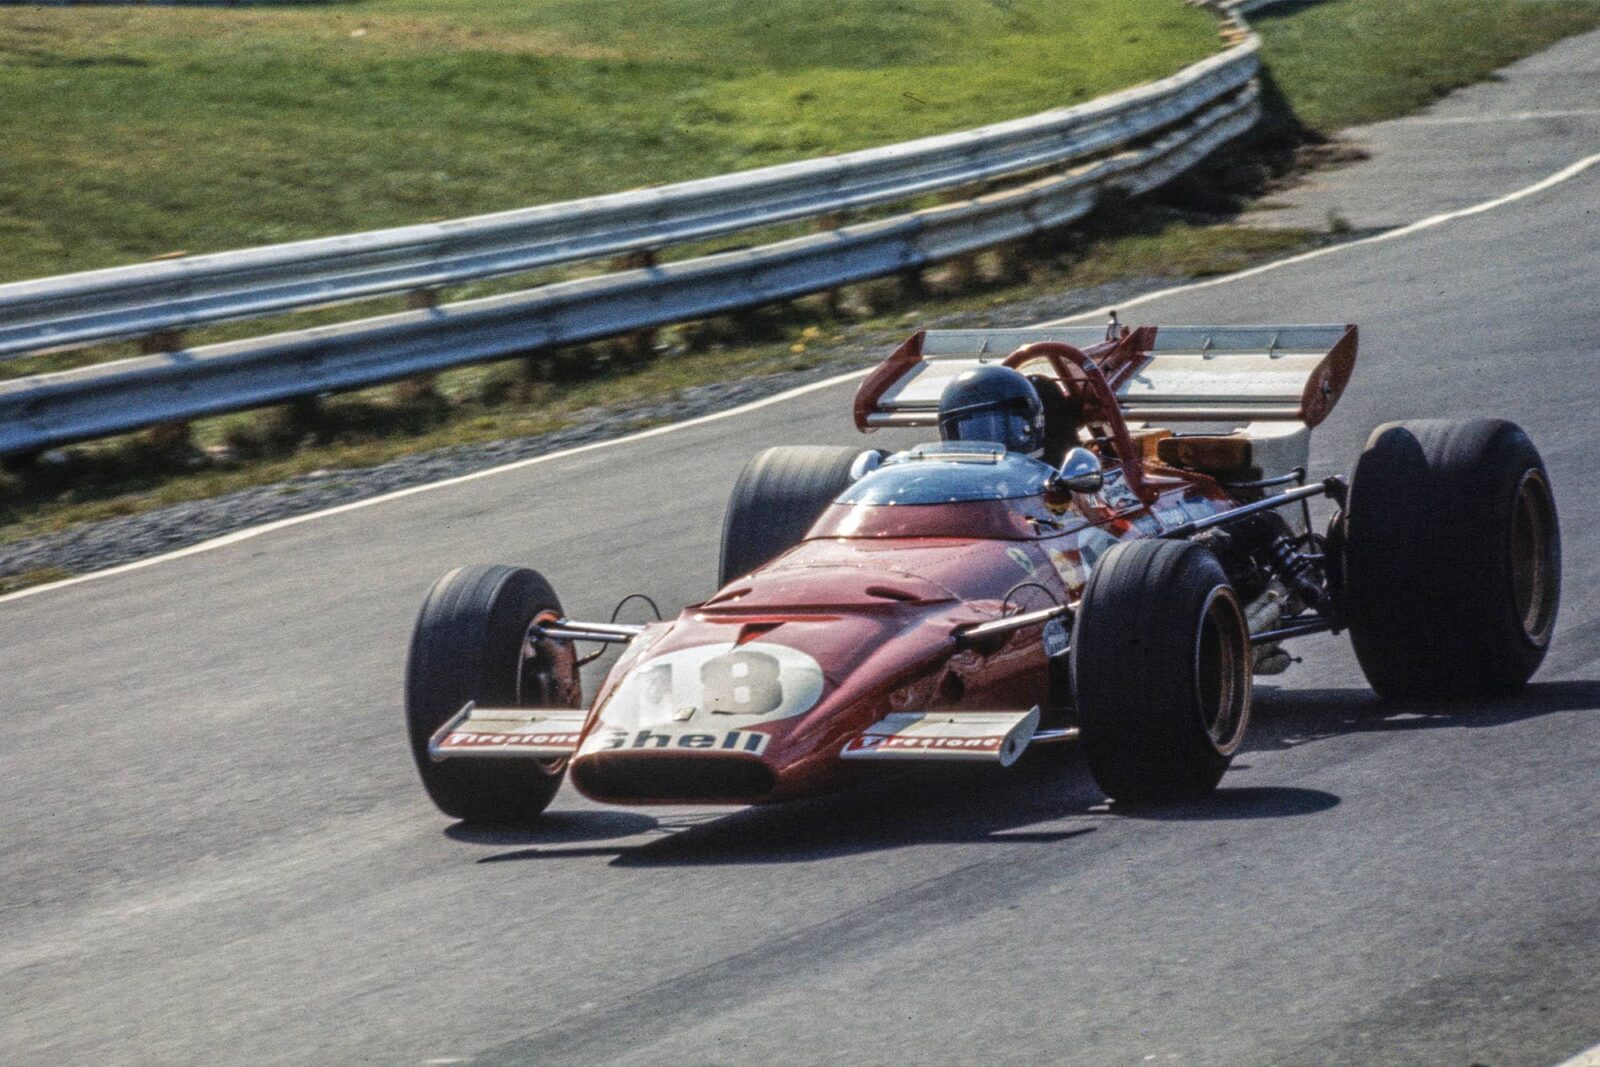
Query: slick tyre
[1452,559]
[468,645]
[779,494]
[1161,671]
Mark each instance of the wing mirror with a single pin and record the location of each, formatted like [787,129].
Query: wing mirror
[1080,473]
[865,464]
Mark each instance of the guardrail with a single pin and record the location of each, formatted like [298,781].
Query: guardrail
[137,300]
[1132,141]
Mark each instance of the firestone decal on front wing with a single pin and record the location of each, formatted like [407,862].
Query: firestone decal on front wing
[516,739]
[923,742]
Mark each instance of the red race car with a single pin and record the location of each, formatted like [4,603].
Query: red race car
[1063,564]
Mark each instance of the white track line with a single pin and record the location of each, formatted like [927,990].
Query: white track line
[1507,116]
[1565,174]
[256,531]
[1589,1058]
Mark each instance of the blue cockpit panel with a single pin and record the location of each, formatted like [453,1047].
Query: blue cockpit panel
[950,472]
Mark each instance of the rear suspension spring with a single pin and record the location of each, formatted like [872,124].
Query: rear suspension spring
[1295,570]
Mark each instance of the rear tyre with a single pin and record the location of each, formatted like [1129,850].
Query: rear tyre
[1161,671]
[469,645]
[1452,559]
[779,494]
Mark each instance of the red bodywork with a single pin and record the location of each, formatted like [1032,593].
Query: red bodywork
[875,597]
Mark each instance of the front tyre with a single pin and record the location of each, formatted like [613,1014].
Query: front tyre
[1452,559]
[1161,671]
[469,645]
[778,496]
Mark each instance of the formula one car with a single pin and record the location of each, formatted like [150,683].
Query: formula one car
[1063,565]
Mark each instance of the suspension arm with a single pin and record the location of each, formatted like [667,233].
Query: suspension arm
[1333,488]
[606,633]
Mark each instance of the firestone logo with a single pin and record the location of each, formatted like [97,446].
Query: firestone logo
[512,740]
[881,741]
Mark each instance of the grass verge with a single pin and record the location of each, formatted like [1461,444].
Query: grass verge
[137,131]
[10,583]
[1345,62]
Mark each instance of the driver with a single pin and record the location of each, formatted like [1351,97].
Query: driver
[995,404]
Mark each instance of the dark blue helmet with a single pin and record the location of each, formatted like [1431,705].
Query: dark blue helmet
[995,404]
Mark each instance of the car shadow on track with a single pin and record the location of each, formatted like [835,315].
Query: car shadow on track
[1045,801]
[1288,718]
[1048,799]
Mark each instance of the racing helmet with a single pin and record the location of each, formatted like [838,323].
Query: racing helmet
[995,404]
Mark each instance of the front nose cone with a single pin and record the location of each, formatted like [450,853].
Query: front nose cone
[673,776]
[697,722]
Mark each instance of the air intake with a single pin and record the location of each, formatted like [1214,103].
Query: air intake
[646,777]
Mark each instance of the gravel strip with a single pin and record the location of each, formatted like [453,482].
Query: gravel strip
[95,546]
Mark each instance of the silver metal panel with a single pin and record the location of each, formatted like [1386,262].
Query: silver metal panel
[920,388]
[902,419]
[1161,415]
[1275,340]
[998,344]
[1191,379]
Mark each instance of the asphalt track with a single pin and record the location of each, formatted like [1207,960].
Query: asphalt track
[1471,146]
[214,849]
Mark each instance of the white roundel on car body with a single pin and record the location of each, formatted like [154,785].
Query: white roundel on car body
[725,686]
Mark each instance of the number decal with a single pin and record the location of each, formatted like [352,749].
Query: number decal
[656,700]
[742,682]
[692,690]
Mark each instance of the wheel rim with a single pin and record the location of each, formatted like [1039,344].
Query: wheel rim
[1222,680]
[537,681]
[1533,557]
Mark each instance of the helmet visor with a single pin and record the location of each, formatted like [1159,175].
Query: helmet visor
[997,427]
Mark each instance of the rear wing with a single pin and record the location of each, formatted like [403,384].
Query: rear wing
[1158,375]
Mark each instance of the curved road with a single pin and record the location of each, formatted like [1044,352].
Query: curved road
[214,848]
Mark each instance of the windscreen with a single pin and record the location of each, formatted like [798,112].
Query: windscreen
[950,472]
